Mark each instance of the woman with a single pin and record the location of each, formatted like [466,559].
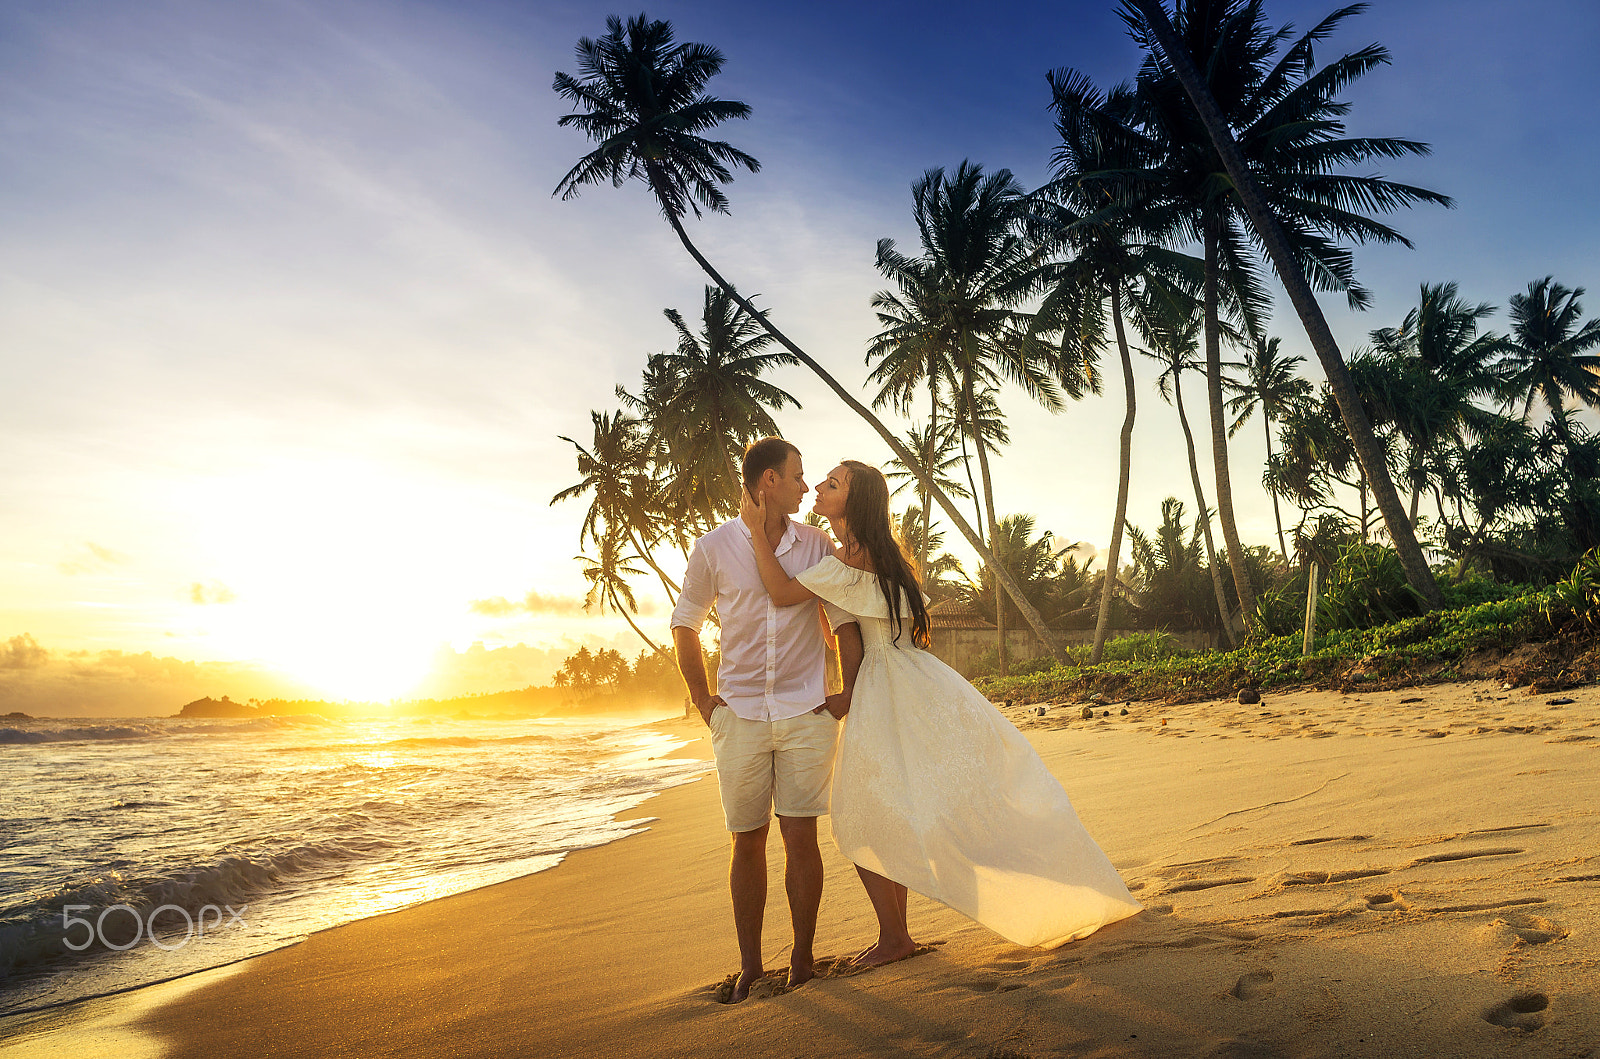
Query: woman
[932,788]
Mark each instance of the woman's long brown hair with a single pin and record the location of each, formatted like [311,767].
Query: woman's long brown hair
[866,517]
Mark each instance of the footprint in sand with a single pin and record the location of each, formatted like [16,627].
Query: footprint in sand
[1472,854]
[1206,884]
[992,986]
[1516,929]
[1321,878]
[1329,838]
[1388,902]
[1252,985]
[1522,1012]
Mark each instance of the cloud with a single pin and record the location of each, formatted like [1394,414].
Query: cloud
[539,603]
[92,559]
[22,652]
[215,592]
[36,680]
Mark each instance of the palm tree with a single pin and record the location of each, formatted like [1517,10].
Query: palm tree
[1166,570]
[608,585]
[712,401]
[976,259]
[642,100]
[615,470]
[1100,208]
[1175,341]
[1271,384]
[1278,235]
[1548,356]
[936,452]
[1432,368]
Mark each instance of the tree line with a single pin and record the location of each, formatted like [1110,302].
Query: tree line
[1172,199]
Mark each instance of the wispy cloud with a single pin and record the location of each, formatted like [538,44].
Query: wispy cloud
[91,558]
[215,592]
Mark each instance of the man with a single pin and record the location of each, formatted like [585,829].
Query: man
[773,725]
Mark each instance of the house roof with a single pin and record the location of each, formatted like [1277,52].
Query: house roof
[954,614]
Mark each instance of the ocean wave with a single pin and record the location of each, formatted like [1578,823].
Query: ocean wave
[23,737]
[164,728]
[34,929]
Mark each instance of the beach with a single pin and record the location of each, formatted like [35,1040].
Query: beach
[1405,873]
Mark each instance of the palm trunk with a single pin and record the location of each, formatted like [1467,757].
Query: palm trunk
[1205,518]
[1102,623]
[1029,612]
[994,526]
[657,648]
[1277,516]
[922,491]
[666,582]
[972,487]
[1271,234]
[1219,431]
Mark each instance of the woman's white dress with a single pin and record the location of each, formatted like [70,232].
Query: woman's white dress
[935,789]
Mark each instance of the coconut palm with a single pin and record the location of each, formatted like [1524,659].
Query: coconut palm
[975,256]
[1271,384]
[642,99]
[937,452]
[1103,212]
[1174,343]
[616,471]
[1548,356]
[711,401]
[1432,370]
[1306,119]
[608,576]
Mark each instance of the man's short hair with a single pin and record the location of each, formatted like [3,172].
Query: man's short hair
[763,455]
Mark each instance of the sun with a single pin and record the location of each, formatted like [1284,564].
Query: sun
[345,573]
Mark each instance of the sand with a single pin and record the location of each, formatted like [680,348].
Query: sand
[1409,873]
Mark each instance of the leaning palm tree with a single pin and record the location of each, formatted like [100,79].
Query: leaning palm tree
[1270,384]
[1277,231]
[1549,355]
[608,576]
[713,401]
[642,99]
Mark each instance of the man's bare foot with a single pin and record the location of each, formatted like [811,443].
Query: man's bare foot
[741,988]
[800,973]
[886,952]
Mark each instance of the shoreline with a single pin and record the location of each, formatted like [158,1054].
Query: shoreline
[1326,876]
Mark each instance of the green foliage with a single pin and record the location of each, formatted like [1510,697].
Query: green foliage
[1137,649]
[1408,651]
[1578,595]
[1366,587]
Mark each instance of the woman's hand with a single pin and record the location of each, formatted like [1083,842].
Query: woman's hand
[753,511]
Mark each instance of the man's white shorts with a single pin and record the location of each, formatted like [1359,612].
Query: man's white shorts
[766,766]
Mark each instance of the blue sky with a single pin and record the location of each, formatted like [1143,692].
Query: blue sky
[290,315]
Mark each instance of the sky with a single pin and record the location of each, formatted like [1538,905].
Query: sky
[292,325]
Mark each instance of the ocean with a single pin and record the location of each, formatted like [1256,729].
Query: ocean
[136,850]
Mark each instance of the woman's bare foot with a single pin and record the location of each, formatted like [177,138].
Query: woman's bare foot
[886,952]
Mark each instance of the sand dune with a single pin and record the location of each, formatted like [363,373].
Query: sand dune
[1393,874]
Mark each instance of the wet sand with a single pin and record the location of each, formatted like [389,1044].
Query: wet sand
[1323,875]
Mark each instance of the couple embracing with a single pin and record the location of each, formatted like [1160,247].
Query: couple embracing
[929,786]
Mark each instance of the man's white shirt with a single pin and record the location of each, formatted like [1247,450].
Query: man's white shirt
[773,658]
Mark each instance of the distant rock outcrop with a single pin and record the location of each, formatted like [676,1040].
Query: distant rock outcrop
[18,716]
[223,707]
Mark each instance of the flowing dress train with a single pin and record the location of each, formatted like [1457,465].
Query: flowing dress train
[935,789]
